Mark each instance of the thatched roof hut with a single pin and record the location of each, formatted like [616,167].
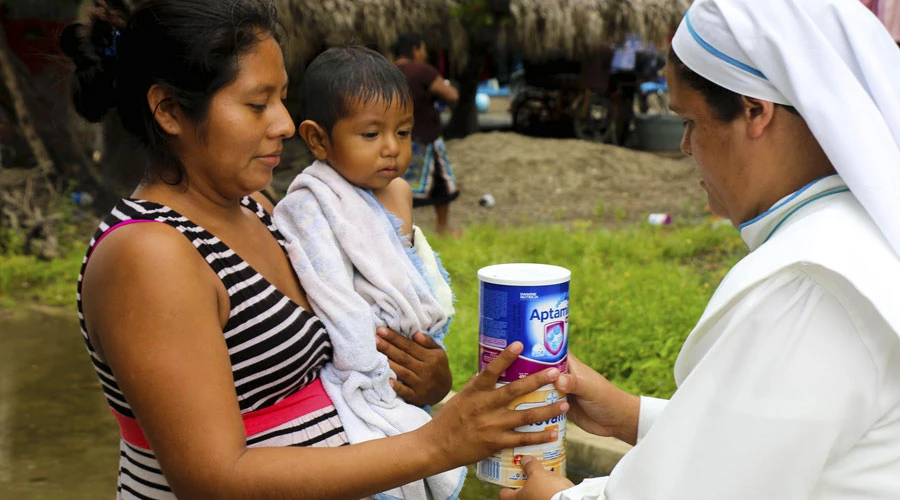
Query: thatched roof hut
[536,28]
[312,25]
[579,27]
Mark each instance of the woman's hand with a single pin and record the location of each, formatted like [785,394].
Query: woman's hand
[598,406]
[541,485]
[421,365]
[477,421]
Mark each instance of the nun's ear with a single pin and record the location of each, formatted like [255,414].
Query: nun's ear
[759,115]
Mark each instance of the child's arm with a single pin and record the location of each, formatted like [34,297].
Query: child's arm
[444,91]
[397,199]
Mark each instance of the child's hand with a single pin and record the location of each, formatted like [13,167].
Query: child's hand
[422,367]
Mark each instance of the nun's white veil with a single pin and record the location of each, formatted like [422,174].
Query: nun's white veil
[833,61]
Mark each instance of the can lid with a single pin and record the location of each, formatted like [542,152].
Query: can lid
[524,274]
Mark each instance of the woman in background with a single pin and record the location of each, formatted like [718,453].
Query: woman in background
[197,327]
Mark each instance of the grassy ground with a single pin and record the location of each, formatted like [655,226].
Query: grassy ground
[635,293]
[27,279]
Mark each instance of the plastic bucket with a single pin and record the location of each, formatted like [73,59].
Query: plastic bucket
[658,132]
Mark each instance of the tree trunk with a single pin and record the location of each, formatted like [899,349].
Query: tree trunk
[22,115]
[43,116]
[464,120]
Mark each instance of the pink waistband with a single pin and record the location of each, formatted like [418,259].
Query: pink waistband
[305,401]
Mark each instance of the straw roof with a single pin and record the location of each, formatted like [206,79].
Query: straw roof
[314,24]
[581,27]
[537,28]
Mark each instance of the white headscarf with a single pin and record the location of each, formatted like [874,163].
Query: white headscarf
[833,61]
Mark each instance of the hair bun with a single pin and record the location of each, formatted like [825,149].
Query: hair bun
[92,49]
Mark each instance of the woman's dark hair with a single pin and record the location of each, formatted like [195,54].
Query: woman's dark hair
[725,104]
[190,47]
[405,44]
[342,77]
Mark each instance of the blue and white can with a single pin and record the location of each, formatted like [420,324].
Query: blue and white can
[528,303]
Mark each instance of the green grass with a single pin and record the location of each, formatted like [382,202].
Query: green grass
[635,293]
[25,278]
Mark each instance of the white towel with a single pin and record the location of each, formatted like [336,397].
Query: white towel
[353,266]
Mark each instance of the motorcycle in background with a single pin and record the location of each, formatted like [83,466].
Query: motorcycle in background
[554,96]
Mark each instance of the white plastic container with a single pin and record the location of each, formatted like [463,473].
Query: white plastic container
[659,219]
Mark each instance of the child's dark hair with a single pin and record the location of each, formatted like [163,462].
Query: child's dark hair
[191,47]
[342,77]
[405,44]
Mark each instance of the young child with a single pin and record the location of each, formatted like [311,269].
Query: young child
[347,219]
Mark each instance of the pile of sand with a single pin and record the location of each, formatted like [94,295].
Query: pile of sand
[548,181]
[540,180]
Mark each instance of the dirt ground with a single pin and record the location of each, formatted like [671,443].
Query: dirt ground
[559,181]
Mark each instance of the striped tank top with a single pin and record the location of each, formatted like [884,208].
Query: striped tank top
[276,348]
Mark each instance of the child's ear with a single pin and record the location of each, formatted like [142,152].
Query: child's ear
[316,138]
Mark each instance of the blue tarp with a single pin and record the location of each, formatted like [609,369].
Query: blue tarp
[493,90]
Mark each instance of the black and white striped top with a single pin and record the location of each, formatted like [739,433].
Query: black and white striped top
[276,348]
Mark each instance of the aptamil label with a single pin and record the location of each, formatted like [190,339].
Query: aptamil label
[504,467]
[528,303]
[537,316]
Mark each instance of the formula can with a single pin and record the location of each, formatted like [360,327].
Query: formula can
[528,303]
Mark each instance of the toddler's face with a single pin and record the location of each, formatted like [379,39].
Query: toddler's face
[373,144]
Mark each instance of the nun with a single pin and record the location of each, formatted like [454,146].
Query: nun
[789,384]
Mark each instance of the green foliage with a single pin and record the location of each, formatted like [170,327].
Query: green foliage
[11,242]
[27,278]
[634,297]
[65,226]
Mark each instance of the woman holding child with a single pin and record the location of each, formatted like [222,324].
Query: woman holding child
[199,330]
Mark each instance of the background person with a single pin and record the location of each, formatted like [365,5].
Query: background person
[430,174]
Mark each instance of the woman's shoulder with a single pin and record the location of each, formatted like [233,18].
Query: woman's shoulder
[148,243]
[145,262]
[139,233]
[264,199]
